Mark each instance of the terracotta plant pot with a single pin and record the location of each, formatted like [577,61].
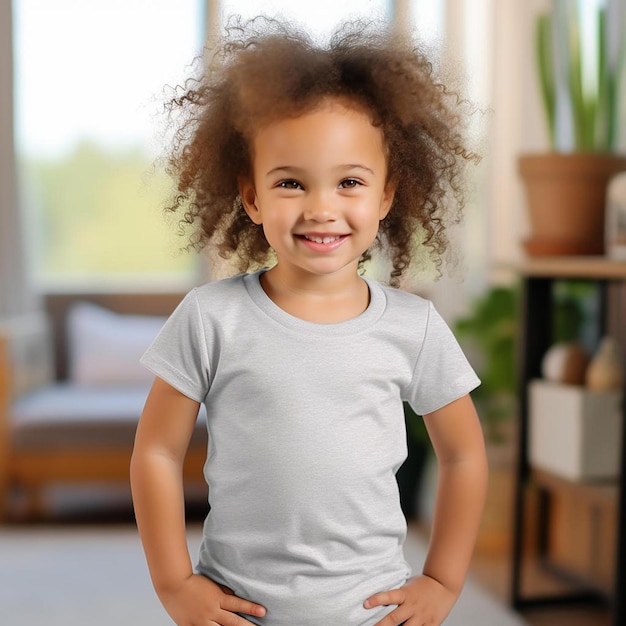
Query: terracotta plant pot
[566,196]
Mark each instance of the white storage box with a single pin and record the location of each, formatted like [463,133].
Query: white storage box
[574,433]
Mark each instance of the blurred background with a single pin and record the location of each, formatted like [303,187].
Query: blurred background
[90,267]
[89,84]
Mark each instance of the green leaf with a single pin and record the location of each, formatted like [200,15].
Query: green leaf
[575,86]
[545,62]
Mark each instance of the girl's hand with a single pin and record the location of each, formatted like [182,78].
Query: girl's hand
[199,601]
[421,602]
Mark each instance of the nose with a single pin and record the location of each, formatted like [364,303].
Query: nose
[319,208]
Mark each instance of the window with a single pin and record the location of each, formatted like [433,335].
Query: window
[319,17]
[89,80]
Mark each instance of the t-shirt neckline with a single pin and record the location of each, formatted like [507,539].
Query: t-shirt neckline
[365,320]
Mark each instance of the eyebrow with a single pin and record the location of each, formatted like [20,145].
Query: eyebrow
[291,169]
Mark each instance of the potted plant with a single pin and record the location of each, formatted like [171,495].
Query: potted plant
[566,187]
[488,335]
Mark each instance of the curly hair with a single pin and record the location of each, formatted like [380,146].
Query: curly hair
[265,70]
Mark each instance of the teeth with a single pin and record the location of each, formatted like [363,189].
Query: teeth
[322,239]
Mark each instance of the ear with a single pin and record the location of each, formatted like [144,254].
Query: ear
[387,200]
[249,199]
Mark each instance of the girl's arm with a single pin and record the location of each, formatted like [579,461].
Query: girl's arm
[161,442]
[457,438]
[156,473]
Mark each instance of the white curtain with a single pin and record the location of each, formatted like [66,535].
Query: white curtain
[16,294]
[491,44]
[517,125]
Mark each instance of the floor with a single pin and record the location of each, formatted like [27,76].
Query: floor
[492,570]
[54,560]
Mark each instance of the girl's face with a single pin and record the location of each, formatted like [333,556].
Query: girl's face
[319,189]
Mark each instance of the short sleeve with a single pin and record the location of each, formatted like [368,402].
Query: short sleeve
[442,373]
[179,353]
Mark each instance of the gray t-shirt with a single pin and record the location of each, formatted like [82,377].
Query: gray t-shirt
[306,433]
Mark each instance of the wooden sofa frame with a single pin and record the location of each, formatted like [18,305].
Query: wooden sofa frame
[30,471]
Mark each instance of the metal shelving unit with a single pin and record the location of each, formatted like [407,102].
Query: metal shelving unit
[538,276]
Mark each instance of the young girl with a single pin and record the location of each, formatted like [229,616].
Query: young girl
[305,159]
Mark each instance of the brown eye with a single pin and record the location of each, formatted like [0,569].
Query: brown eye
[289,184]
[349,183]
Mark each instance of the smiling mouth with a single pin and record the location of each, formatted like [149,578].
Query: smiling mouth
[326,240]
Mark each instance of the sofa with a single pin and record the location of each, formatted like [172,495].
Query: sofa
[71,393]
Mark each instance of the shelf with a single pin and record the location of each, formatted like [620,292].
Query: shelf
[576,528]
[599,493]
[592,267]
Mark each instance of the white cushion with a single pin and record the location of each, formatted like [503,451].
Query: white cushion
[105,347]
[75,415]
